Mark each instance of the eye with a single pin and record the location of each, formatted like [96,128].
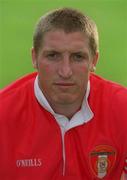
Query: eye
[78,57]
[53,55]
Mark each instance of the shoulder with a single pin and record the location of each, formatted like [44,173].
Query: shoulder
[16,94]
[107,88]
[17,86]
[19,83]
[109,98]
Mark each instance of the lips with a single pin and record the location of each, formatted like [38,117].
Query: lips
[64,84]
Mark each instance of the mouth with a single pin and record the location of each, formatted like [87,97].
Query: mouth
[64,84]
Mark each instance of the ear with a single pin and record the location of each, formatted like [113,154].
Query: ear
[94,62]
[34,58]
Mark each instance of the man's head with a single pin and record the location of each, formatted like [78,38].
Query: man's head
[69,20]
[64,52]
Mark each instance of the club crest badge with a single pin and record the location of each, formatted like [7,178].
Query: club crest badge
[102,159]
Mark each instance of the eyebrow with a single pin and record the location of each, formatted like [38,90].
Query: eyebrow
[84,53]
[74,51]
[49,51]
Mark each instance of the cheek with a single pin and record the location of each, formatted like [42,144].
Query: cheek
[82,70]
[45,70]
[82,76]
[45,75]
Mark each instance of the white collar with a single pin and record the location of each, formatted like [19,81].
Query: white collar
[84,115]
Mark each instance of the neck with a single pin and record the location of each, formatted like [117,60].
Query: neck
[67,110]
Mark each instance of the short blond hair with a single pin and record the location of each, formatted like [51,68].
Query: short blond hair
[67,19]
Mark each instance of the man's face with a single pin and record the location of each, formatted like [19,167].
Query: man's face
[63,63]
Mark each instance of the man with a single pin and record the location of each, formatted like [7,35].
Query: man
[63,122]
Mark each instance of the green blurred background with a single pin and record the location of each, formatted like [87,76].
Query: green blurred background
[18,19]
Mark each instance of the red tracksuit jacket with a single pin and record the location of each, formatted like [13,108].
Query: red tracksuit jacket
[31,143]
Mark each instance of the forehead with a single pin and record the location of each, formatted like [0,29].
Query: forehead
[62,41]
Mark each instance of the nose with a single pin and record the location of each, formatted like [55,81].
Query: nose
[65,68]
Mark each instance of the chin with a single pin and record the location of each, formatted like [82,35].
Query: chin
[65,100]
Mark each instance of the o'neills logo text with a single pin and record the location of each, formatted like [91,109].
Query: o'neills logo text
[29,162]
